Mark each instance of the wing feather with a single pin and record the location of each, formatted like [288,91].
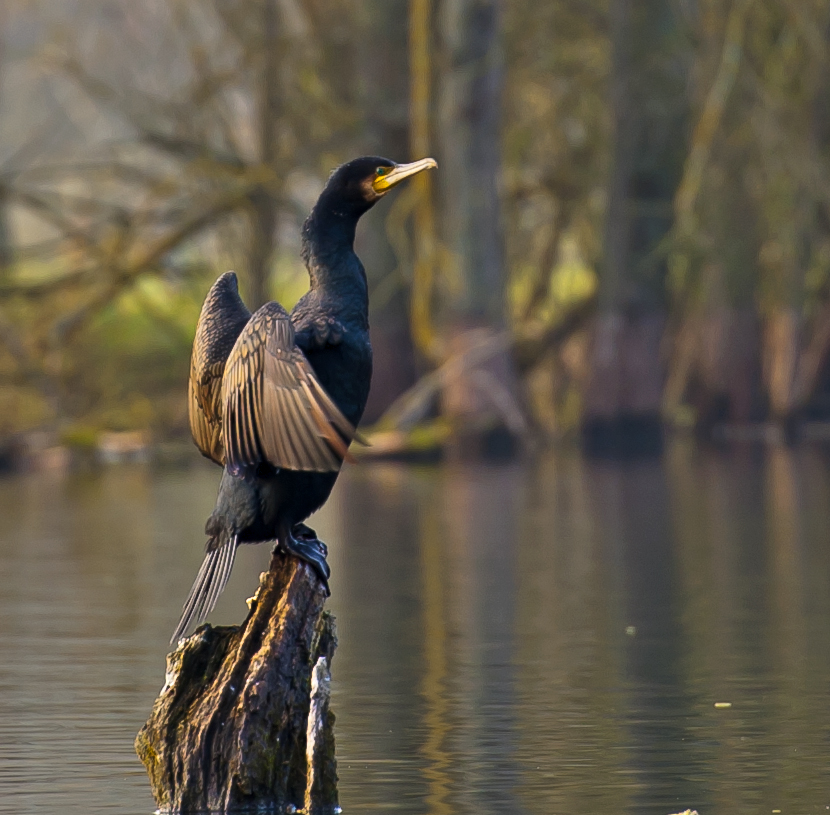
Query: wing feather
[325,429]
[221,321]
[205,433]
[275,409]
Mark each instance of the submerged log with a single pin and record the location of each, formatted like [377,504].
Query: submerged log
[231,729]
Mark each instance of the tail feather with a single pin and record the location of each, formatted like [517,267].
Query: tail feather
[220,578]
[210,581]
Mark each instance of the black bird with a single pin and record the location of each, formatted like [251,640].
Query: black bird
[276,398]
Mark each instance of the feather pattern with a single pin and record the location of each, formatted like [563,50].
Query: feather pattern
[210,581]
[274,409]
[221,320]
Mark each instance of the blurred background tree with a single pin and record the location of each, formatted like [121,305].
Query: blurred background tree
[629,226]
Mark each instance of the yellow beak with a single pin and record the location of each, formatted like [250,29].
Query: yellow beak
[384,183]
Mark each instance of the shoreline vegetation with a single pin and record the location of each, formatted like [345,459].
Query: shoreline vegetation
[425,444]
[628,233]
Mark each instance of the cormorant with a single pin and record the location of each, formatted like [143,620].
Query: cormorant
[275,398]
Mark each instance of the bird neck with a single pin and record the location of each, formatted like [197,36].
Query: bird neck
[328,251]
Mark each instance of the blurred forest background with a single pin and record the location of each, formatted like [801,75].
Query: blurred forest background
[629,228]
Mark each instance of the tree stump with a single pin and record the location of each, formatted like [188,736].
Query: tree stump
[231,728]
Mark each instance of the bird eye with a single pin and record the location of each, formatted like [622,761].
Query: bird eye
[382,170]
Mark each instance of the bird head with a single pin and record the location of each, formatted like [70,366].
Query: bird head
[356,186]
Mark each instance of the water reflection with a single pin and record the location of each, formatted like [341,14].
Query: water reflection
[535,639]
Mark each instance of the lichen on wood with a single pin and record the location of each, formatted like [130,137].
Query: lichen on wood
[229,728]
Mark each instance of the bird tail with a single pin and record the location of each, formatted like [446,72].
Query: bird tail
[212,578]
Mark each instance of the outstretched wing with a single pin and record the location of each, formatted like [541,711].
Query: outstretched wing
[275,410]
[222,319]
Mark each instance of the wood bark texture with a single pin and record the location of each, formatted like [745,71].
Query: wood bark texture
[229,730]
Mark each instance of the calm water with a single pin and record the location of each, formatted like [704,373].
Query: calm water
[548,638]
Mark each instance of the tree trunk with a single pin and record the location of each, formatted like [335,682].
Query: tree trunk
[424,260]
[782,350]
[383,70]
[716,368]
[469,119]
[6,248]
[617,249]
[623,389]
[231,727]
[263,217]
[264,201]
[624,384]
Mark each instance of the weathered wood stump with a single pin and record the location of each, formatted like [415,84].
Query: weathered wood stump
[231,728]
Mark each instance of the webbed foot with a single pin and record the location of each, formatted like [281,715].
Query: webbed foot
[311,554]
[303,532]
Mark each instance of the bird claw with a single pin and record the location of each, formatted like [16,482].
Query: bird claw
[305,533]
[311,554]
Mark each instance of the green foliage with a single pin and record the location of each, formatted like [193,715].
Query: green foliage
[126,227]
